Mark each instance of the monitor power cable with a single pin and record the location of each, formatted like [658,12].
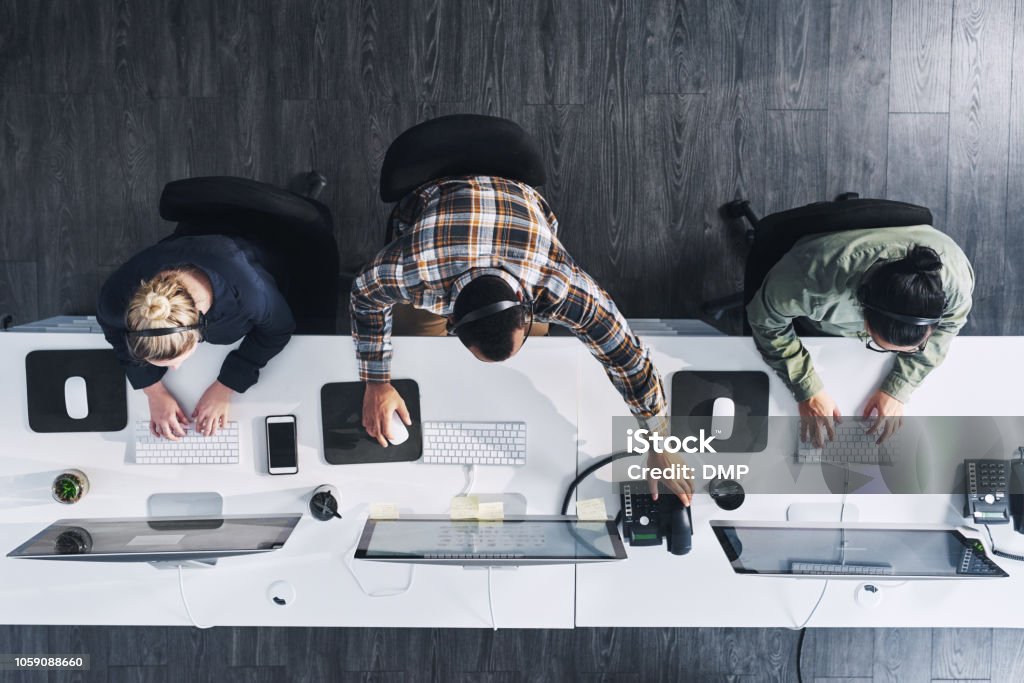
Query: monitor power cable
[1000,553]
[349,560]
[490,599]
[184,601]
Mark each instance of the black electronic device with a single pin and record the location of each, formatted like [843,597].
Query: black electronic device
[646,521]
[282,445]
[1017,491]
[987,492]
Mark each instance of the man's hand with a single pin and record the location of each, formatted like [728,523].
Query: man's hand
[816,415]
[682,488]
[166,418]
[212,410]
[888,415]
[379,402]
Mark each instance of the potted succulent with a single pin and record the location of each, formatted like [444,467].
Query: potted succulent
[70,486]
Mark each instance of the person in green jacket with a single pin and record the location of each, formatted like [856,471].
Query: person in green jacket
[905,291]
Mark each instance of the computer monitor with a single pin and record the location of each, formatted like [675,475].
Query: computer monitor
[514,541]
[853,550]
[158,539]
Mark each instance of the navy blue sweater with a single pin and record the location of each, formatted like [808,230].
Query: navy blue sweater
[246,303]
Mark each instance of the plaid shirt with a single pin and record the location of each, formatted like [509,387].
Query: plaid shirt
[449,227]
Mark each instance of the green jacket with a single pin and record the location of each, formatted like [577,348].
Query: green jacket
[818,279]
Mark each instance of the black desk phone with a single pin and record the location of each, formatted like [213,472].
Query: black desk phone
[994,491]
[646,521]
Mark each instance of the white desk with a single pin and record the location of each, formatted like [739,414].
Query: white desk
[560,391]
[981,376]
[453,385]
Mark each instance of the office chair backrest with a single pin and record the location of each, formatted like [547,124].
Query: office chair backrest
[225,198]
[776,234]
[459,145]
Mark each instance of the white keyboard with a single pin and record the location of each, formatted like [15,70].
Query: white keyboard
[192,449]
[851,445]
[474,443]
[831,569]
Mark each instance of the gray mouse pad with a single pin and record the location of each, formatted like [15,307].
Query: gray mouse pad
[345,440]
[105,392]
[693,399]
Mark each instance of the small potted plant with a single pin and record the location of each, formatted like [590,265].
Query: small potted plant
[70,486]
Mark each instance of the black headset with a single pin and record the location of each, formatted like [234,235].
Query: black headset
[493,309]
[200,325]
[919,321]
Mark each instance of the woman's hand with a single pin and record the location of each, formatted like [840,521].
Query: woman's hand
[816,414]
[212,410]
[888,415]
[166,418]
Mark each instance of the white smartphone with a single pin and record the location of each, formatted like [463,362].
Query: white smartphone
[282,445]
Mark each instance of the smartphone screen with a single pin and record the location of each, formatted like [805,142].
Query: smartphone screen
[281,449]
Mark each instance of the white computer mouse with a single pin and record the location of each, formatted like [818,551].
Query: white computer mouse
[397,429]
[723,413]
[75,400]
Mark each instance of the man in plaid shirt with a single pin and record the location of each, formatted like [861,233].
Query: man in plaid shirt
[466,242]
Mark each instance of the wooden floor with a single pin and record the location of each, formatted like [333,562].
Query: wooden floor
[170,655]
[651,114]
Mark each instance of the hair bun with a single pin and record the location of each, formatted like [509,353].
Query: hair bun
[158,307]
[924,260]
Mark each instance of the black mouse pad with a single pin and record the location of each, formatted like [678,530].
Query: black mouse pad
[345,440]
[45,375]
[693,399]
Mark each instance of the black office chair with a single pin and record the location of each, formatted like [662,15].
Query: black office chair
[771,237]
[294,232]
[458,145]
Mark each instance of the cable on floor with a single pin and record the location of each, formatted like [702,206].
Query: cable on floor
[490,599]
[184,601]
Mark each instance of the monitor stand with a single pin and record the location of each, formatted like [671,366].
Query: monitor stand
[822,512]
[185,504]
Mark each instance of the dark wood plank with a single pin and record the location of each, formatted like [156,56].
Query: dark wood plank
[676,45]
[902,655]
[979,109]
[920,55]
[139,674]
[168,48]
[917,161]
[558,51]
[839,652]
[65,187]
[799,49]
[16,47]
[244,32]
[1007,654]
[961,653]
[256,674]
[130,646]
[858,98]
[675,137]
[70,46]
[21,175]
[19,293]
[734,653]
[440,38]
[1013,306]
[736,166]
[797,158]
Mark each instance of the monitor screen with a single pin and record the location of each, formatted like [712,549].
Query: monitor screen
[513,541]
[158,538]
[852,550]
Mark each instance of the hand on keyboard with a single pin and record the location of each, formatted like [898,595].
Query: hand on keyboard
[888,415]
[166,418]
[211,412]
[816,416]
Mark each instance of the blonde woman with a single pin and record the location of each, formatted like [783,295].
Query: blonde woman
[158,307]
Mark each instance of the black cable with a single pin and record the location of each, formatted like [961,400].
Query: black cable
[799,656]
[586,473]
[1001,553]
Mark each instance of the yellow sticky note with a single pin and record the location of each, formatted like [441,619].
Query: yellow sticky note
[383,511]
[464,507]
[591,509]
[491,511]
